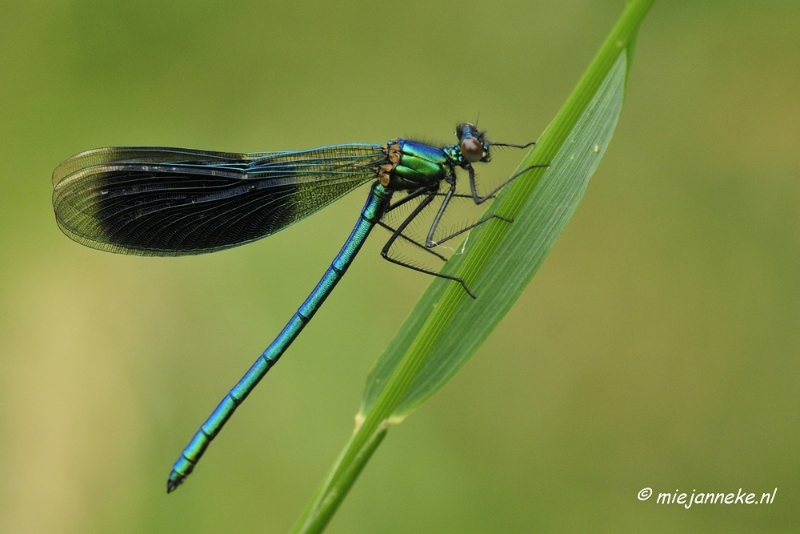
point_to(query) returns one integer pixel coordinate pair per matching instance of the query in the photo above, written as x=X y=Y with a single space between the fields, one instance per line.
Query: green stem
x=374 y=424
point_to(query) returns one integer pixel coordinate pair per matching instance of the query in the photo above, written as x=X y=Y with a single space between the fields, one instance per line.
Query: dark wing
x=155 y=201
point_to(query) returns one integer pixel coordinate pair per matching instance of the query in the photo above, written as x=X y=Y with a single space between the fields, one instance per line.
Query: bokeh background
x=657 y=347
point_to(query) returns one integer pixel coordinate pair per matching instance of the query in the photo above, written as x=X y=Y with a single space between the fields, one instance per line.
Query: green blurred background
x=657 y=347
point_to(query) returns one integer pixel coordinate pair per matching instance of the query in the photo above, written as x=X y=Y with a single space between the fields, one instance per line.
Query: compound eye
x=472 y=149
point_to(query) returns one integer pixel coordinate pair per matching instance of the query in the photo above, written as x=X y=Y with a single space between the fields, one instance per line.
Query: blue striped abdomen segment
x=376 y=204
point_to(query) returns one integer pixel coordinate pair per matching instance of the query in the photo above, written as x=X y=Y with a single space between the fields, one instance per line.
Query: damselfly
x=156 y=201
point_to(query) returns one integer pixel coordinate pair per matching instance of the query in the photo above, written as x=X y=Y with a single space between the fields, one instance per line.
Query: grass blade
x=499 y=259
x=547 y=200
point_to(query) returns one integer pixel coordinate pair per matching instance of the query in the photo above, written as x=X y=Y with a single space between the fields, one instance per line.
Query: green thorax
x=412 y=165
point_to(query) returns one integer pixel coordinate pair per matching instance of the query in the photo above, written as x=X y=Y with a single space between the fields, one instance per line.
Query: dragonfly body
x=373 y=210
x=171 y=201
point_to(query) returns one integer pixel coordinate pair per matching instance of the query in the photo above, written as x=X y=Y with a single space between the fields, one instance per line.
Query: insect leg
x=481 y=199
x=398 y=232
x=412 y=241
